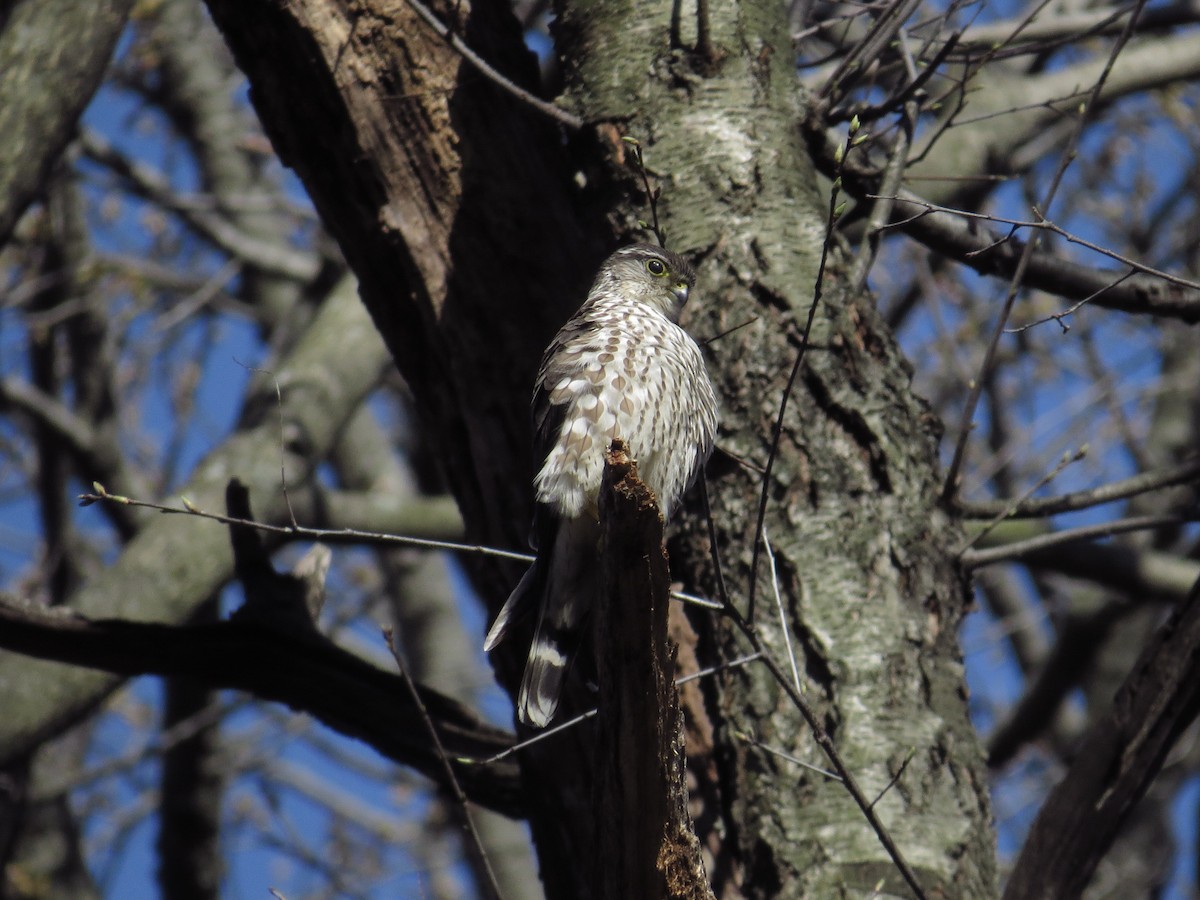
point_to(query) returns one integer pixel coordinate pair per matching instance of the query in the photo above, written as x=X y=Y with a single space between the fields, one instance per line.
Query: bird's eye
x=656 y=267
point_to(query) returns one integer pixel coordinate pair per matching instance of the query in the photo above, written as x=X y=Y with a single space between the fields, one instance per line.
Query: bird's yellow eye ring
x=656 y=267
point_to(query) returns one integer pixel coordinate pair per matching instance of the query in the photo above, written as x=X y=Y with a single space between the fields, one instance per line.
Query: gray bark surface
x=52 y=53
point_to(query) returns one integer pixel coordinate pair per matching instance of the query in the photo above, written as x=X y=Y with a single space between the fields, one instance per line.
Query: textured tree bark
x=51 y=57
x=449 y=201
x=647 y=846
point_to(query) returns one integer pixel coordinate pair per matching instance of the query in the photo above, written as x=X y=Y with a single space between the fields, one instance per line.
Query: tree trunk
x=864 y=558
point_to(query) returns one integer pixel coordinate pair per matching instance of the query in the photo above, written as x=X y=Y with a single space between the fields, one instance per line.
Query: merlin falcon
x=622 y=367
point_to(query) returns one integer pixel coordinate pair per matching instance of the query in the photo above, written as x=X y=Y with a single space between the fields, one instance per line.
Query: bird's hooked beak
x=681 y=293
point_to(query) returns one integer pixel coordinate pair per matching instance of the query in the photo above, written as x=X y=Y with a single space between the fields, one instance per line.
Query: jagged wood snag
x=647 y=847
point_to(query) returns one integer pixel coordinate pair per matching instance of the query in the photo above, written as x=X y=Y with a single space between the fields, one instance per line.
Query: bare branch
x=1057 y=27
x=265 y=255
x=315 y=405
x=872 y=45
x=1140 y=572
x=480 y=65
x=450 y=779
x=1079 y=639
x=347 y=694
x=972 y=559
x=349 y=505
x=75 y=432
x=1184 y=473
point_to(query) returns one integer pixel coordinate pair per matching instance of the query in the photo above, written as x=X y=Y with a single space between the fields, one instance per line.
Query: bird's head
x=651 y=275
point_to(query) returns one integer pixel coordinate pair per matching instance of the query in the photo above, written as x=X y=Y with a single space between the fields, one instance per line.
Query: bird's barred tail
x=562 y=585
x=541 y=687
x=547 y=665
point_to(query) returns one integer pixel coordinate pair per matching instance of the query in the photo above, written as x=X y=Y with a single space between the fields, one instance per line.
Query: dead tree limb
x=647 y=846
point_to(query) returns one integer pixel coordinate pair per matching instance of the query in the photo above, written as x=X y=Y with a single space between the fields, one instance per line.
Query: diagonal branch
x=1075 y=26
x=972 y=559
x=52 y=57
x=1113 y=566
x=1039 y=507
x=265 y=255
x=489 y=72
x=1119 y=758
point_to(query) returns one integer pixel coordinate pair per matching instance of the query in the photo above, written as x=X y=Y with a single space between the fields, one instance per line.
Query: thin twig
x=951 y=233
x=795 y=760
x=300 y=532
x=283 y=485
x=708 y=342
x=713 y=548
x=549 y=109
x=492 y=885
x=1014 y=287
x=1066 y=460
x=881 y=209
x=696 y=601
x=1059 y=317
x=537 y=738
x=719 y=667
x=651 y=193
x=571 y=723
x=895 y=778
x=304 y=533
x=783 y=622
x=872 y=45
x=777 y=431
x=1042 y=224
x=208 y=291
x=906 y=96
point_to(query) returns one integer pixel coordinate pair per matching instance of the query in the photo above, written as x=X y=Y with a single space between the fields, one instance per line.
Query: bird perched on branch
x=620 y=368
